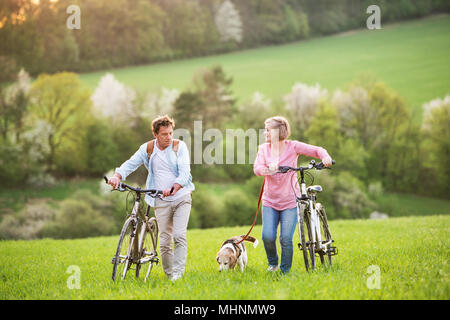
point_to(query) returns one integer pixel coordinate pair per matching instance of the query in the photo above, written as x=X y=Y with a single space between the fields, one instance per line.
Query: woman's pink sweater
x=279 y=188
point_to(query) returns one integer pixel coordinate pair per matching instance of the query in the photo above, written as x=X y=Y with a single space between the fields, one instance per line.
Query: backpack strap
x=151 y=146
x=176 y=142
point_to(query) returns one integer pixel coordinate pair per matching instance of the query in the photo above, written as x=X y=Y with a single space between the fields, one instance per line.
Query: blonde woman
x=279 y=200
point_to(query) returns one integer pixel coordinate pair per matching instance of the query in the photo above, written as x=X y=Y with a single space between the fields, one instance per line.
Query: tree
x=378 y=119
x=436 y=143
x=114 y=101
x=253 y=113
x=302 y=103
x=228 y=22
x=101 y=148
x=188 y=107
x=213 y=86
x=189 y=28
x=64 y=103
x=325 y=131
x=356 y=114
x=13 y=106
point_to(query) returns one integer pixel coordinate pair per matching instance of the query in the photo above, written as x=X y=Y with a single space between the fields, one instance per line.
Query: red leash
x=257 y=210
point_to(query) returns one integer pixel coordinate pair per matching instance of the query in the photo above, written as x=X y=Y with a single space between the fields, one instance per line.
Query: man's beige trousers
x=172 y=218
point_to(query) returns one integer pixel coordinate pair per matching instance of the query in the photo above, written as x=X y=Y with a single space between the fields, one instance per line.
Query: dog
x=231 y=253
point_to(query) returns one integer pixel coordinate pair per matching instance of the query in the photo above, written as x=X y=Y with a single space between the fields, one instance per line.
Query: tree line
x=34 y=35
x=56 y=128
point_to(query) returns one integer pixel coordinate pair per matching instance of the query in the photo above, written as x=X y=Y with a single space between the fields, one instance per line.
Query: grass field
x=411 y=254
x=411 y=57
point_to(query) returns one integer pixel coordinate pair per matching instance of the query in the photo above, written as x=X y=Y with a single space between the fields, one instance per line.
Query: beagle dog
x=231 y=253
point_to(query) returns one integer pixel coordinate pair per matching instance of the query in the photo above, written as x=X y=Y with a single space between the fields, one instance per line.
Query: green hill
x=411 y=254
x=411 y=57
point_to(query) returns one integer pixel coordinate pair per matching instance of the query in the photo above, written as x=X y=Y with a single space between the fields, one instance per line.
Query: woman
x=279 y=201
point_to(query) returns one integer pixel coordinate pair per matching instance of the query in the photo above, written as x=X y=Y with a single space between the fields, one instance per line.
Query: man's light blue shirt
x=180 y=164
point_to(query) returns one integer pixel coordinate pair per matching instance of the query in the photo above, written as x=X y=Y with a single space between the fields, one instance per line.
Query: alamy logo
x=74 y=280
x=74 y=20
x=374 y=20
x=374 y=279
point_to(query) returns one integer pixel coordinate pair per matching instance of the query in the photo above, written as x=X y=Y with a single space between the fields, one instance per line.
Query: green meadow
x=412 y=57
x=410 y=254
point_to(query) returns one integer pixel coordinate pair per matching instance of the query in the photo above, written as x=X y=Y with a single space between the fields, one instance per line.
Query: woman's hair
x=280 y=123
x=163 y=121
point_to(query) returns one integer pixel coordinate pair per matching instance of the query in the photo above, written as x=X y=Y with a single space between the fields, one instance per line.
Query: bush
x=210 y=173
x=239 y=208
x=28 y=223
x=252 y=188
x=12 y=169
x=102 y=150
x=81 y=216
x=207 y=209
x=344 y=196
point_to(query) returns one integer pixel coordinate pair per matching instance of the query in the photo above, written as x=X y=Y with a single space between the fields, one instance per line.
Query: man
x=168 y=169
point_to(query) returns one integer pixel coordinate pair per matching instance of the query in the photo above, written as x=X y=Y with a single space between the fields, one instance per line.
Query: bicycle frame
x=134 y=240
x=309 y=201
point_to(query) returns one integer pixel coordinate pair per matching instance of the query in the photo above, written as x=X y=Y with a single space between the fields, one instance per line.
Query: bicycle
x=313 y=215
x=139 y=237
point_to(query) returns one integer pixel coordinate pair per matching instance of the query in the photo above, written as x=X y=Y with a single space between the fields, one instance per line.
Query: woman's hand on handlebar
x=327 y=161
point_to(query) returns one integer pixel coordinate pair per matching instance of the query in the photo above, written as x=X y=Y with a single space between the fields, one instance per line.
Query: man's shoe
x=175 y=277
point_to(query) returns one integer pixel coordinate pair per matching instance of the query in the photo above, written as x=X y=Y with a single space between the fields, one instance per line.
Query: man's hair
x=163 y=121
x=281 y=124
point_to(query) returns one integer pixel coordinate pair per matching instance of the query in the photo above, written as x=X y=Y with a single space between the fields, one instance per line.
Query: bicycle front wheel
x=311 y=243
x=148 y=243
x=122 y=258
x=301 y=231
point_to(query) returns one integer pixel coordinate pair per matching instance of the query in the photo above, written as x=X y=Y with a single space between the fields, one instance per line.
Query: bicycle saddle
x=315 y=188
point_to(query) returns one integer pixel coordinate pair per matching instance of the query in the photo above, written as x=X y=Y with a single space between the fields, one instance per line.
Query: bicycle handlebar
x=151 y=192
x=312 y=164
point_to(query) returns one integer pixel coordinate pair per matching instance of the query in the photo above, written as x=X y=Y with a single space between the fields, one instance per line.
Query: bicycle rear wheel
x=326 y=235
x=122 y=258
x=301 y=231
x=148 y=243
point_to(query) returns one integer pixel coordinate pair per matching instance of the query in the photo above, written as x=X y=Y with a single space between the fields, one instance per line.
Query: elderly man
x=168 y=164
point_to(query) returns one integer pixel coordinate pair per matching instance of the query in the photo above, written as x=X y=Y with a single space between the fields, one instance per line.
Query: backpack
x=151 y=144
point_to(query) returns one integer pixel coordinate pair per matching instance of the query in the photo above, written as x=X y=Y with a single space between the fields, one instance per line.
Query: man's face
x=164 y=136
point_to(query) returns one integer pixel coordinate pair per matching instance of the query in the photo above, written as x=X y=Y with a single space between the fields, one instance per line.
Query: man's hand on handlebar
x=172 y=191
x=115 y=180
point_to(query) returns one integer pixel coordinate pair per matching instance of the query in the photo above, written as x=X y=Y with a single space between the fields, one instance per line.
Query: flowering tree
x=13 y=105
x=253 y=113
x=228 y=22
x=355 y=114
x=114 y=100
x=160 y=103
x=302 y=102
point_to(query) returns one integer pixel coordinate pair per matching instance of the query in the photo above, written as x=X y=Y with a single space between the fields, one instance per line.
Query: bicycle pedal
x=333 y=251
x=155 y=260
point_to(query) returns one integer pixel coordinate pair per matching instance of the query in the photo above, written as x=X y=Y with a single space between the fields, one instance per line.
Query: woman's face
x=271 y=134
